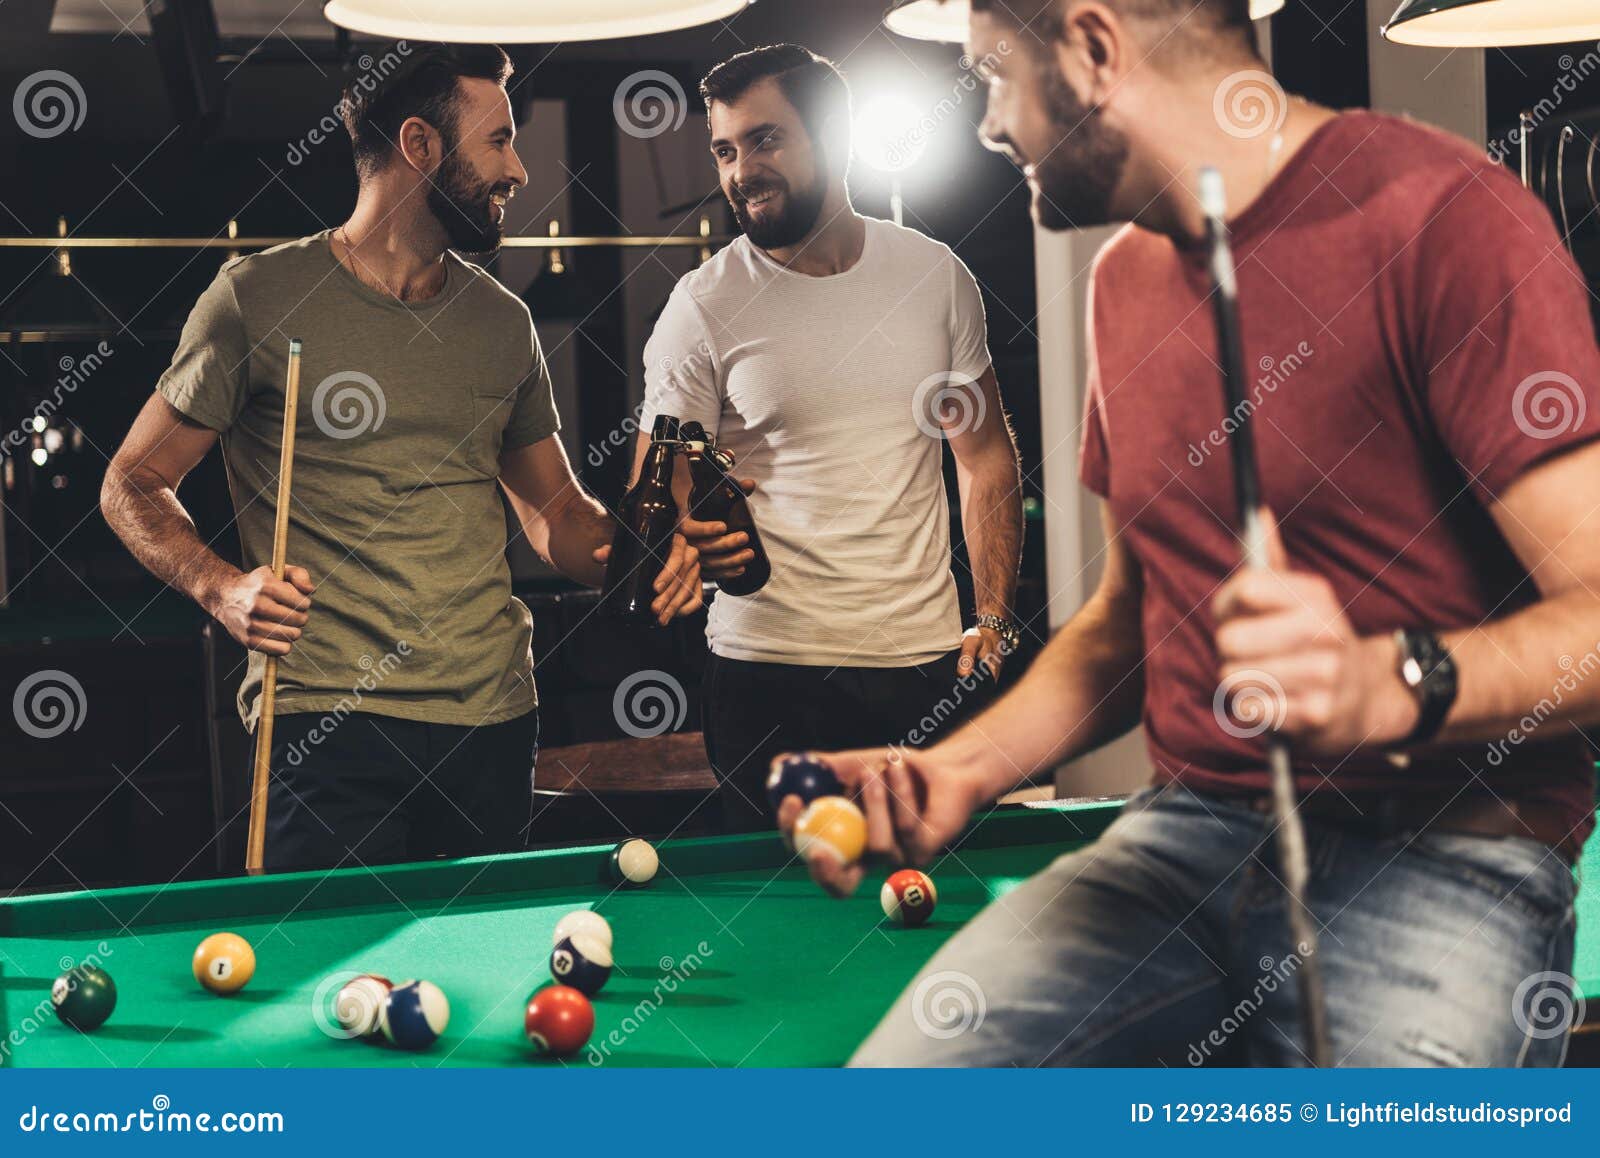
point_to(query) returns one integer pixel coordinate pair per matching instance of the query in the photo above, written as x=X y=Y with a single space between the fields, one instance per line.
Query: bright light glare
x=891 y=132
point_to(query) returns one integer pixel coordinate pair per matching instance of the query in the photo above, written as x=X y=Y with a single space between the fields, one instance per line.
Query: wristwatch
x=1430 y=673
x=1010 y=634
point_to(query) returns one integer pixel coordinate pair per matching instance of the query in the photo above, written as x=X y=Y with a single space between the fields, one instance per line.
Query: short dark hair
x=412 y=80
x=1217 y=25
x=812 y=84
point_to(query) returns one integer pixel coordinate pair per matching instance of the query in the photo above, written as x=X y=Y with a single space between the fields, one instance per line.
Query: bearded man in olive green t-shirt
x=406 y=710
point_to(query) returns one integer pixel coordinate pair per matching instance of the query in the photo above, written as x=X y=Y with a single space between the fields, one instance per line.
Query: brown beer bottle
x=717 y=497
x=646 y=520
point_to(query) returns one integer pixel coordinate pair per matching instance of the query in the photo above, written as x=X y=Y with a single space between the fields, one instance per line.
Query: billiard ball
x=581 y=961
x=583 y=921
x=414 y=1014
x=84 y=997
x=634 y=862
x=224 y=962
x=802 y=775
x=359 y=1006
x=558 y=1020
x=908 y=896
x=831 y=827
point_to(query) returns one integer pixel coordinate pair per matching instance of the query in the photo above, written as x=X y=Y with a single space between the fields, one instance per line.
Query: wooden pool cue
x=256 y=848
x=1290 y=833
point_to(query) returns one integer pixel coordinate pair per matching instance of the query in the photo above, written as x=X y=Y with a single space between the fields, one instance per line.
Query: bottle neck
x=658 y=464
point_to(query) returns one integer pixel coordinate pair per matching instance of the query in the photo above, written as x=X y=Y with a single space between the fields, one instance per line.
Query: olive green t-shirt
x=404 y=410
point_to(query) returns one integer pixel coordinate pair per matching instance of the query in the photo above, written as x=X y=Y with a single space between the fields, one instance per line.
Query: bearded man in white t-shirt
x=834 y=354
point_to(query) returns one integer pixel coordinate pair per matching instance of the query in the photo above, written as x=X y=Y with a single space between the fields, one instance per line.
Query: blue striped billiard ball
x=581 y=961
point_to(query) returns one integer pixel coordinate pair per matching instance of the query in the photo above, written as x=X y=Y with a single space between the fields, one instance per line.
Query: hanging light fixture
x=522 y=22
x=1493 y=23
x=947 y=19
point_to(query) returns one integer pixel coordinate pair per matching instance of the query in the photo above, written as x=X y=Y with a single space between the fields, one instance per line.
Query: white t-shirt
x=821 y=386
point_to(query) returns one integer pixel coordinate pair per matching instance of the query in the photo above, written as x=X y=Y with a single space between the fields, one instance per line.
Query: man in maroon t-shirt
x=1425 y=410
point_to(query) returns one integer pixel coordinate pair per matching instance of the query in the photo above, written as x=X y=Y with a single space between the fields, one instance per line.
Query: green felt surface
x=731 y=957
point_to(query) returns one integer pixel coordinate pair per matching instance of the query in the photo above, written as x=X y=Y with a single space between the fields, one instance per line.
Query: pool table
x=730 y=957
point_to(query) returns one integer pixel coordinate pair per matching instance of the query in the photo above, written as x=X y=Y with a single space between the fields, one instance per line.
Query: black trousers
x=753 y=711
x=374 y=790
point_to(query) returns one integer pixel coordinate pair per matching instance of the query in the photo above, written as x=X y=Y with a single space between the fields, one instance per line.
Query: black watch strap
x=1430 y=673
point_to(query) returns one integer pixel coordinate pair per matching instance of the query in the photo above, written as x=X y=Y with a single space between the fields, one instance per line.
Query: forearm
x=582 y=527
x=1538 y=667
x=1085 y=689
x=146 y=515
x=991 y=519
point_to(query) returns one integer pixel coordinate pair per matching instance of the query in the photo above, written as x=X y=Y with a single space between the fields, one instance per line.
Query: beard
x=460 y=203
x=1077 y=177
x=801 y=208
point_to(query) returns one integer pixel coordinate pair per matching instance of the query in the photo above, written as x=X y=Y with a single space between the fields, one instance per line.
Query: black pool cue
x=1290 y=833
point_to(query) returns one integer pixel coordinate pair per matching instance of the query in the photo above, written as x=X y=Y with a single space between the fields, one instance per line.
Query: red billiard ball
x=908 y=896
x=558 y=1020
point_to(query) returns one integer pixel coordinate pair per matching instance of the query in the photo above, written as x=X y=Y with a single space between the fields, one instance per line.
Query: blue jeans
x=1166 y=942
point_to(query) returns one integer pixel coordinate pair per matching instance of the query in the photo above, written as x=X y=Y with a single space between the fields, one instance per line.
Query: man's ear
x=420 y=145
x=1091 y=51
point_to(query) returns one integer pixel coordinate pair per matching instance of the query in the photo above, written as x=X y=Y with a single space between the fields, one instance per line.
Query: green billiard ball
x=84 y=996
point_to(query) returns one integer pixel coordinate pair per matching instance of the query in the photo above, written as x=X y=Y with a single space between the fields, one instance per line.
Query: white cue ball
x=636 y=861
x=584 y=921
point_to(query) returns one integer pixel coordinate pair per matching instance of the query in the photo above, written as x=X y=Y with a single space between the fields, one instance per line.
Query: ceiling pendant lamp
x=947 y=19
x=523 y=21
x=1493 y=23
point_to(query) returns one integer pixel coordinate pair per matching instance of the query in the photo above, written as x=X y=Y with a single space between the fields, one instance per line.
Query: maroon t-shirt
x=1419 y=338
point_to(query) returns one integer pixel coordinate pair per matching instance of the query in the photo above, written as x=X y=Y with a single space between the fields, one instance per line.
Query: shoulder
x=485 y=291
x=909 y=249
x=1128 y=254
x=304 y=259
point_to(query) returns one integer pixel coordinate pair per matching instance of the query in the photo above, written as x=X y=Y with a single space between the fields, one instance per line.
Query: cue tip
x=294 y=345
x=1213 y=196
